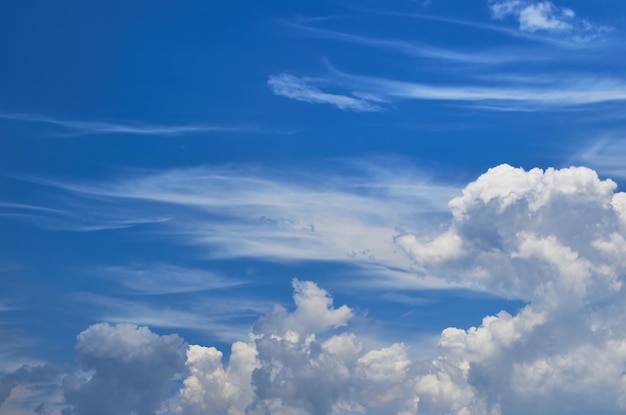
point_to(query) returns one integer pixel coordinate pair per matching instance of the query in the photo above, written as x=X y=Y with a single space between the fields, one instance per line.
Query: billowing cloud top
x=554 y=238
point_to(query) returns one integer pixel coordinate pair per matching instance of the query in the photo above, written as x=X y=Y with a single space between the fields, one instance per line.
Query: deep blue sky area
x=176 y=165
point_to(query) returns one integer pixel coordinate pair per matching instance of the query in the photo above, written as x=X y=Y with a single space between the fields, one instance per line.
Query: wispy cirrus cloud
x=90 y=127
x=606 y=155
x=569 y=92
x=520 y=94
x=64 y=218
x=160 y=278
x=224 y=318
x=411 y=48
x=304 y=89
x=271 y=214
x=581 y=35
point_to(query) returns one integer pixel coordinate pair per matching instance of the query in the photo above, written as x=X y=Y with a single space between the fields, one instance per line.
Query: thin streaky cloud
x=280 y=216
x=77 y=128
x=221 y=317
x=566 y=43
x=121 y=224
x=606 y=155
x=162 y=278
x=315 y=19
x=563 y=93
x=23 y=206
x=4 y=306
x=302 y=89
x=410 y=48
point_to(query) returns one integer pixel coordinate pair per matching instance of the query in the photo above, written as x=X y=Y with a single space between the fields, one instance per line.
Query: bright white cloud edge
x=553 y=237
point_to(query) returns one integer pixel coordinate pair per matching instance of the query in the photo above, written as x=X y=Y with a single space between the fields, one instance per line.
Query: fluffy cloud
x=210 y=388
x=544 y=16
x=287 y=368
x=129 y=369
x=554 y=238
x=535 y=16
x=529 y=234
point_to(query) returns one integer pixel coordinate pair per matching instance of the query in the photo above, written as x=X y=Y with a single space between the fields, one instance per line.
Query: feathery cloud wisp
x=75 y=127
x=243 y=212
x=516 y=94
x=302 y=89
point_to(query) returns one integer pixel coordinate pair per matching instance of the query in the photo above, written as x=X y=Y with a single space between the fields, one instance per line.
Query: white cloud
x=89 y=127
x=545 y=16
x=519 y=94
x=242 y=211
x=128 y=369
x=223 y=317
x=495 y=92
x=285 y=369
x=210 y=388
x=411 y=48
x=509 y=214
x=505 y=8
x=551 y=238
x=163 y=278
x=605 y=155
x=303 y=89
x=554 y=238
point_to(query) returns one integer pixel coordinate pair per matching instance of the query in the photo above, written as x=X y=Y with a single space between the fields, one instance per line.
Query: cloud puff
x=287 y=369
x=534 y=16
x=210 y=387
x=513 y=228
x=544 y=16
x=552 y=238
x=128 y=370
x=302 y=89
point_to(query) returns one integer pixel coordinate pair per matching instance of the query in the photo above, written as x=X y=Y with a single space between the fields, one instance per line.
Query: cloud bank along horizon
x=553 y=238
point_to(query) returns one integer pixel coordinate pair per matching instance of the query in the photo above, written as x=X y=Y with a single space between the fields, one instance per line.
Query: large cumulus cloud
x=127 y=370
x=287 y=368
x=554 y=239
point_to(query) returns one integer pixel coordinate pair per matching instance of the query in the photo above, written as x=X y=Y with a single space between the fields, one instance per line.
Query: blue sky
x=327 y=208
